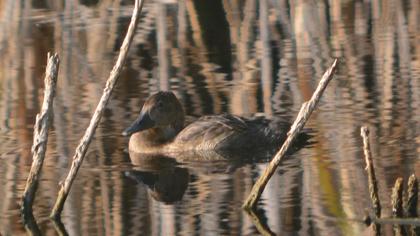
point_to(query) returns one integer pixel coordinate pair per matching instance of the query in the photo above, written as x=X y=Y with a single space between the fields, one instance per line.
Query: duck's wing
x=217 y=132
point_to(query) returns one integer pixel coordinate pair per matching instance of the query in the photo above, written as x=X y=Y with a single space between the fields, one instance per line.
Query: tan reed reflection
x=271 y=54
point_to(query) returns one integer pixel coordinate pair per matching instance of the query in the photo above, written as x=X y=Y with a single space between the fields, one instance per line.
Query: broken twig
x=303 y=116
x=87 y=137
x=397 y=205
x=373 y=187
x=42 y=125
x=411 y=205
x=412 y=198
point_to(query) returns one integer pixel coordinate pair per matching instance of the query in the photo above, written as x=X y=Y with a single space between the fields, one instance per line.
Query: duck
x=160 y=128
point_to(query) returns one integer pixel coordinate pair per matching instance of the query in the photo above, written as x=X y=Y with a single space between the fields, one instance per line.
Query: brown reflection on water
x=242 y=57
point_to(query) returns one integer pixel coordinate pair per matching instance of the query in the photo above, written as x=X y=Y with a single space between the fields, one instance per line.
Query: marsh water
x=243 y=57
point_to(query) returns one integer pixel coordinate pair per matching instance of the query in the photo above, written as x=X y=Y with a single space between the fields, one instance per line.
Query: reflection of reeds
x=378 y=84
x=262 y=228
x=266 y=68
x=244 y=90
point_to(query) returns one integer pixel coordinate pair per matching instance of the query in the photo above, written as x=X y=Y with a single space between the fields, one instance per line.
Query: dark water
x=241 y=57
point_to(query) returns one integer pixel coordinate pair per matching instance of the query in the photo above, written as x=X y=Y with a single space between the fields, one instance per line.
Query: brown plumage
x=160 y=129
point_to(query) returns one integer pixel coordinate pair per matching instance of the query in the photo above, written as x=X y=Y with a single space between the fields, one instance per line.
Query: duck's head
x=162 y=111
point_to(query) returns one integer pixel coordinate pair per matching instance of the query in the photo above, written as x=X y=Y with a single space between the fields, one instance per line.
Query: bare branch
x=42 y=124
x=87 y=137
x=373 y=187
x=303 y=116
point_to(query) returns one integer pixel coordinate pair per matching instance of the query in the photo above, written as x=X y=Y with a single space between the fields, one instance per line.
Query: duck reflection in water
x=160 y=129
x=166 y=181
x=167 y=178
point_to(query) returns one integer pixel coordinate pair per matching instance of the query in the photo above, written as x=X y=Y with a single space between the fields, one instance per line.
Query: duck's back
x=228 y=132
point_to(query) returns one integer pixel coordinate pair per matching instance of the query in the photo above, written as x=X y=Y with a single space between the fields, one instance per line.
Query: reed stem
x=87 y=137
x=397 y=205
x=303 y=116
x=42 y=125
x=373 y=186
x=411 y=204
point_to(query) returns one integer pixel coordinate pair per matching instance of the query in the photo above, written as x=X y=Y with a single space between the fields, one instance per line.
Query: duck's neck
x=154 y=139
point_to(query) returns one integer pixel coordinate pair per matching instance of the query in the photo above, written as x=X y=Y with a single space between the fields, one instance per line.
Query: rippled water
x=241 y=57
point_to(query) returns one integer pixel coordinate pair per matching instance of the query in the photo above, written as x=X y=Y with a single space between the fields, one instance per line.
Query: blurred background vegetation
x=236 y=56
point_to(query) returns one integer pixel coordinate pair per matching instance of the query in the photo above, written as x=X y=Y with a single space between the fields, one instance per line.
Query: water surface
x=242 y=57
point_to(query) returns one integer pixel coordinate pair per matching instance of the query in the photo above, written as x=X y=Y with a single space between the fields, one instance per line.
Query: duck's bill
x=143 y=122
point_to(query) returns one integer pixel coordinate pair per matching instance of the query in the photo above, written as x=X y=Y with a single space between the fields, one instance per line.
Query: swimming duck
x=160 y=129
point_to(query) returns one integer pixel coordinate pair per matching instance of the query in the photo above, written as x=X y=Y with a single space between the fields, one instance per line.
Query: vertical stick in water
x=87 y=137
x=373 y=187
x=412 y=198
x=42 y=124
x=397 y=205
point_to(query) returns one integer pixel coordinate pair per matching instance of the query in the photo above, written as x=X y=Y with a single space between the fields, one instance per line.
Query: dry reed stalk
x=303 y=116
x=397 y=202
x=411 y=204
x=87 y=137
x=397 y=205
x=42 y=124
x=412 y=198
x=373 y=187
